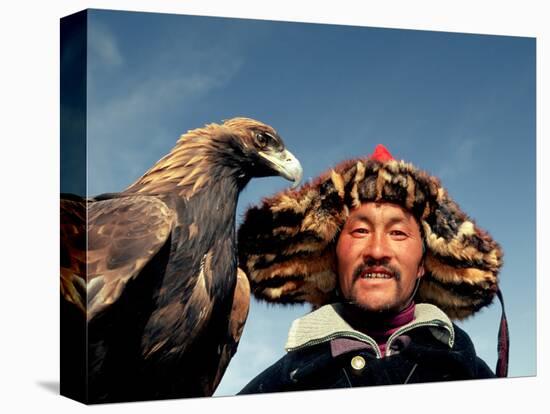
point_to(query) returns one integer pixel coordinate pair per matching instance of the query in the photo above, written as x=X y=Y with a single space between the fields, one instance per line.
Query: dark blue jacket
x=430 y=349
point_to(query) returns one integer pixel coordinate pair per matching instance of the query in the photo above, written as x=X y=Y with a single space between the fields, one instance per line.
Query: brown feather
x=123 y=234
x=237 y=320
x=73 y=252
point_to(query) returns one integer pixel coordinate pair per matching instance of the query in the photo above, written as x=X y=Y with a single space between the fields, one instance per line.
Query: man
x=386 y=258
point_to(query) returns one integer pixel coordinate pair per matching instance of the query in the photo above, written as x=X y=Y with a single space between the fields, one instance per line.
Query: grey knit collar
x=325 y=324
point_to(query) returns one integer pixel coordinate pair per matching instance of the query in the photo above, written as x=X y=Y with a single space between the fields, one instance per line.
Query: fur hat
x=287 y=244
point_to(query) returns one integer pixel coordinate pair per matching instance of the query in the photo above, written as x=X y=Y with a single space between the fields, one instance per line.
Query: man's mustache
x=379 y=265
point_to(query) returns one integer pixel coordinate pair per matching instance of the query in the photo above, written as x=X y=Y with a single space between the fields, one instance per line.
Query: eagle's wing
x=237 y=319
x=122 y=235
x=73 y=251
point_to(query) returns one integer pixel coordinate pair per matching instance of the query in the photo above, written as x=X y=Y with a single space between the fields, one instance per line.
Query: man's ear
x=420 y=272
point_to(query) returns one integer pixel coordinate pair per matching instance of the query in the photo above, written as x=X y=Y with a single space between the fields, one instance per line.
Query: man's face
x=379 y=254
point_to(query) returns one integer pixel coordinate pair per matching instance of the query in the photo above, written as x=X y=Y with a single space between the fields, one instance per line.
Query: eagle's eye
x=262 y=140
x=265 y=140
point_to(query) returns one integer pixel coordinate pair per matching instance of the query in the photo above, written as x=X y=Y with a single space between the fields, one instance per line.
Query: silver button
x=358 y=362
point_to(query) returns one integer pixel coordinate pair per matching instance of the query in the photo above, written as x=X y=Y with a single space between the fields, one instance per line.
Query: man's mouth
x=379 y=272
x=375 y=276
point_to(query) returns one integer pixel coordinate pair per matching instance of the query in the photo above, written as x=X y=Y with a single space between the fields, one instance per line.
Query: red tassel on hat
x=381 y=154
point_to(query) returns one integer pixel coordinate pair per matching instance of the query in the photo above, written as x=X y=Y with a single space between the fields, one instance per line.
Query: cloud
x=261 y=345
x=136 y=108
x=103 y=48
x=252 y=357
x=459 y=160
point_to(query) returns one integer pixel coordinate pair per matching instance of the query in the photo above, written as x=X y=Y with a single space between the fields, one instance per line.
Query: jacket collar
x=325 y=324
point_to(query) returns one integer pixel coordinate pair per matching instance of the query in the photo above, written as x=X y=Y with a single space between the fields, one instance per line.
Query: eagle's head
x=240 y=148
x=259 y=150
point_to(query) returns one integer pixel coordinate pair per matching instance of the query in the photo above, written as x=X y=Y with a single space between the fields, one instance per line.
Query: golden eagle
x=152 y=301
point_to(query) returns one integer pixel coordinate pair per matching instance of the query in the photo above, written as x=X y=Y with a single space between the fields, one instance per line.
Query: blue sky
x=460 y=106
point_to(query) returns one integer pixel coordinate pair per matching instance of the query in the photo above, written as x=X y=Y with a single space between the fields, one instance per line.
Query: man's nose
x=377 y=247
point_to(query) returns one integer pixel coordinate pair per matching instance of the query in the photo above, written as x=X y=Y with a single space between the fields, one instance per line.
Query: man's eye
x=398 y=233
x=360 y=231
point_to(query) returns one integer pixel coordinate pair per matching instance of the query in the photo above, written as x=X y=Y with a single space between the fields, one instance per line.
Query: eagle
x=152 y=301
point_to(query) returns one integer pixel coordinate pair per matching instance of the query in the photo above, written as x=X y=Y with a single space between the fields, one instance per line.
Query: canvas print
x=252 y=206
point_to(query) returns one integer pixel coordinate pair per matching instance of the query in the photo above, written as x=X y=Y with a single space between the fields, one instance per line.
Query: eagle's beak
x=286 y=164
